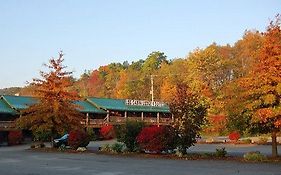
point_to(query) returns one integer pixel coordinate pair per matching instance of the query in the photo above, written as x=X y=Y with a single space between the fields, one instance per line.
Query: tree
x=262 y=85
x=81 y=85
x=54 y=113
x=245 y=52
x=238 y=117
x=189 y=112
x=154 y=61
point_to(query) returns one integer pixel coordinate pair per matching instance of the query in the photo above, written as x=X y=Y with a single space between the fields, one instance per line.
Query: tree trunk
x=52 y=141
x=274 y=144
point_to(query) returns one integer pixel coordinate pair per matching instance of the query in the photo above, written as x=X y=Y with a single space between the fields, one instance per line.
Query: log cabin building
x=97 y=112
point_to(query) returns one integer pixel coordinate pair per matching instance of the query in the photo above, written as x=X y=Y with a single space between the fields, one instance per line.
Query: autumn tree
x=262 y=86
x=189 y=112
x=54 y=113
x=154 y=61
x=245 y=52
x=238 y=117
x=81 y=85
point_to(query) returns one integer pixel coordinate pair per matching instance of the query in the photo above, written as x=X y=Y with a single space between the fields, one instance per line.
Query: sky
x=93 y=33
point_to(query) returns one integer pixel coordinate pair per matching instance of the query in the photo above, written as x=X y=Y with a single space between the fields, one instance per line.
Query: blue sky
x=94 y=33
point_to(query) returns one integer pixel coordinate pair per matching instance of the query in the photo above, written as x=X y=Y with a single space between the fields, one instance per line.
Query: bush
x=254 y=156
x=62 y=147
x=105 y=148
x=234 y=136
x=220 y=152
x=117 y=147
x=128 y=133
x=78 y=138
x=107 y=132
x=92 y=135
x=15 y=138
x=157 y=139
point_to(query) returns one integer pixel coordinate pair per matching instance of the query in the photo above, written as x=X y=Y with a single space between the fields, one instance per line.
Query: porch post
x=87 y=120
x=107 y=116
x=158 y=118
x=125 y=114
x=141 y=116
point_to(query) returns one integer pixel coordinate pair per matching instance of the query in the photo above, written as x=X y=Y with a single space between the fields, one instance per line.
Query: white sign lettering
x=144 y=103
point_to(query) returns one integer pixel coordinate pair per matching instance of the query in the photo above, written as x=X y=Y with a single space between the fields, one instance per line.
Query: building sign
x=144 y=103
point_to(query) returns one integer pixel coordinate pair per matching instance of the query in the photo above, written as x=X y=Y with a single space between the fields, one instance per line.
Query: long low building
x=97 y=111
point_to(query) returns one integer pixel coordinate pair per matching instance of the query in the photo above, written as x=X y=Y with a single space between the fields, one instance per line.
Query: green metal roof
x=5 y=108
x=87 y=107
x=9 y=104
x=19 y=102
x=120 y=105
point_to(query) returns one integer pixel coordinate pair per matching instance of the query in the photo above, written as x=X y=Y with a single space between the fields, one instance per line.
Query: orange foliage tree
x=262 y=86
x=190 y=113
x=54 y=113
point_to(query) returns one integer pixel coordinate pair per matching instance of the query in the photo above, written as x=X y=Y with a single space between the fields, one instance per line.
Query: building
x=97 y=111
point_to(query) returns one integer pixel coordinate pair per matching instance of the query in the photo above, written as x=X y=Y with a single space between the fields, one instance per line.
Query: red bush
x=157 y=139
x=15 y=137
x=78 y=138
x=107 y=132
x=234 y=136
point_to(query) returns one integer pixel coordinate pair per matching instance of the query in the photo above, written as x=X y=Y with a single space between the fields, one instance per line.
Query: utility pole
x=151 y=90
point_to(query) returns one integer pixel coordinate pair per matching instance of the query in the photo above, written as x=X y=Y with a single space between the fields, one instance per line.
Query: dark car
x=61 y=141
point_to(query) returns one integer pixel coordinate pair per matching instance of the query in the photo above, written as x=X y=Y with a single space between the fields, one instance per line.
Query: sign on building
x=144 y=103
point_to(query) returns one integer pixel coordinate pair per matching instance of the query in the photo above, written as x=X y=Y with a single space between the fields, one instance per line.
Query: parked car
x=61 y=141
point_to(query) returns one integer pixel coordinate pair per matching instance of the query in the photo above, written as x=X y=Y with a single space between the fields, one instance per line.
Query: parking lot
x=19 y=161
x=232 y=149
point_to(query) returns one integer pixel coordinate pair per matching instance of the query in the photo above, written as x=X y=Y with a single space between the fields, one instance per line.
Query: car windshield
x=65 y=136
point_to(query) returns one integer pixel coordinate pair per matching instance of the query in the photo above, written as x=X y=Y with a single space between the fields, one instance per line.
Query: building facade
x=97 y=111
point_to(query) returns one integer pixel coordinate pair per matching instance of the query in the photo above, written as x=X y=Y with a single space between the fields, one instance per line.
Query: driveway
x=18 y=161
x=232 y=149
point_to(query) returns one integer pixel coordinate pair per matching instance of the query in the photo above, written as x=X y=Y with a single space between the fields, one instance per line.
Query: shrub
x=107 y=132
x=157 y=139
x=105 y=148
x=128 y=133
x=254 y=156
x=234 y=136
x=220 y=152
x=117 y=147
x=62 y=147
x=92 y=135
x=15 y=138
x=78 y=138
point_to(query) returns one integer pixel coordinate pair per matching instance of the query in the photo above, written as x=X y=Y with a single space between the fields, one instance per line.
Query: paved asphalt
x=232 y=149
x=19 y=161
